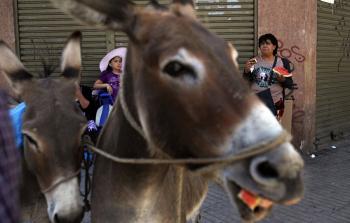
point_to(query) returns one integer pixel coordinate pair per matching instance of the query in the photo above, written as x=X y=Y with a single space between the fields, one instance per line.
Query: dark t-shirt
x=112 y=79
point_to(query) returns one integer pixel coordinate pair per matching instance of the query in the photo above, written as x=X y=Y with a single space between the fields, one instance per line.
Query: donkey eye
x=31 y=142
x=176 y=69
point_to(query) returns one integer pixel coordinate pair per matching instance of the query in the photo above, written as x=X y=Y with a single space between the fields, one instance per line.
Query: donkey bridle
x=65 y=179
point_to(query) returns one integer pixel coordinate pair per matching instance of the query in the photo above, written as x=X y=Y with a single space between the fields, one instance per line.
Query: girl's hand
x=109 y=89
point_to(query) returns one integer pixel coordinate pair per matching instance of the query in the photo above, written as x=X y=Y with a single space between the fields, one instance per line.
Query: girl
x=111 y=67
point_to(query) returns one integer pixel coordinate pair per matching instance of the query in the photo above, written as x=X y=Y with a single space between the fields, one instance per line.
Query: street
x=327 y=194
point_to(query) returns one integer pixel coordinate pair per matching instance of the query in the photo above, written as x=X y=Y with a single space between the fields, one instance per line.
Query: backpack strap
x=273 y=66
x=287 y=64
x=288 y=83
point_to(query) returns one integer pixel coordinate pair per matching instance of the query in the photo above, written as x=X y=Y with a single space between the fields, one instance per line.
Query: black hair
x=109 y=68
x=272 y=38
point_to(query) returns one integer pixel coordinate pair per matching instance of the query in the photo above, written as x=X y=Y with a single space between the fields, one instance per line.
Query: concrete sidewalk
x=327 y=193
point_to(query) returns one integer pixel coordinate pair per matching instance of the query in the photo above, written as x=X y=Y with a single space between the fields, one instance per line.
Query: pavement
x=326 y=199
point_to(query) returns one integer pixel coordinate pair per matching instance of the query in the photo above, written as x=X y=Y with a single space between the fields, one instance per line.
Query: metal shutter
x=233 y=20
x=43 y=30
x=333 y=71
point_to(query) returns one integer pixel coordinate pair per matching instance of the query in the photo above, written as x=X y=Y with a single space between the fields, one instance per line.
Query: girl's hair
x=272 y=38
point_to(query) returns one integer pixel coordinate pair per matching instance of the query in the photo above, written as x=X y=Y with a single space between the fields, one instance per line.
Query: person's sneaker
x=91 y=126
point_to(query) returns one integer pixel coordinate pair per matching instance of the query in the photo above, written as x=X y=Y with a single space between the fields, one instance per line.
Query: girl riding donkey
x=111 y=66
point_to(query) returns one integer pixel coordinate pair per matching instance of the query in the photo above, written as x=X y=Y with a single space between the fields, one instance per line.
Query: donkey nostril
x=74 y=217
x=263 y=171
x=56 y=220
x=266 y=170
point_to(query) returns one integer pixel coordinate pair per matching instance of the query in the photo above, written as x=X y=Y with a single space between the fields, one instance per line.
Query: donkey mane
x=48 y=69
x=46 y=59
x=155 y=4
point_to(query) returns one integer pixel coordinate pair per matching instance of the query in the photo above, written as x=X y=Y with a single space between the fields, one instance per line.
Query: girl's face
x=267 y=48
x=116 y=64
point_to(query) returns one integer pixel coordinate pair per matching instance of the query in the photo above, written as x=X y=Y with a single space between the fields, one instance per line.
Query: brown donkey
x=182 y=97
x=52 y=126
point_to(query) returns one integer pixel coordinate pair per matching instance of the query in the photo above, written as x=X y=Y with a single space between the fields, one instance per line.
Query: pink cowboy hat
x=120 y=52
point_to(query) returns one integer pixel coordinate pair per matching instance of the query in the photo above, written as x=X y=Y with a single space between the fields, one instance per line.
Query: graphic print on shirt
x=114 y=82
x=264 y=77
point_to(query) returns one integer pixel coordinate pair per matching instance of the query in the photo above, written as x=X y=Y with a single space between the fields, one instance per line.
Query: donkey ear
x=183 y=7
x=15 y=72
x=109 y=14
x=71 y=57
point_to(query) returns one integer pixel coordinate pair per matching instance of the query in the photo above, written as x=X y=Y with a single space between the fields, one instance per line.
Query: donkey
x=182 y=97
x=52 y=127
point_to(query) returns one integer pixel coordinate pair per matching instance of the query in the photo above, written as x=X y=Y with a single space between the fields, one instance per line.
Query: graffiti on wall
x=345 y=43
x=292 y=53
x=295 y=55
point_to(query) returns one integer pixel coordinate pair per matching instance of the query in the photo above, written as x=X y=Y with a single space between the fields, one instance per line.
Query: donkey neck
x=119 y=138
x=137 y=193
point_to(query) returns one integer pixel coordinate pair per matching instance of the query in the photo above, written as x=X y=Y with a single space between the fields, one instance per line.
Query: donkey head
x=52 y=127
x=183 y=87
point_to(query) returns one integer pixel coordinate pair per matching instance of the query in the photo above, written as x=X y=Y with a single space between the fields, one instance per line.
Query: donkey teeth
x=253 y=201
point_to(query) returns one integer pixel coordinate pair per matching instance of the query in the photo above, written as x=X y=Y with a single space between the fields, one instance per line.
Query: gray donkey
x=52 y=127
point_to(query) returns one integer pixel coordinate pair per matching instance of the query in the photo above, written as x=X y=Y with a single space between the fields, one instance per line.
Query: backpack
x=106 y=107
x=288 y=83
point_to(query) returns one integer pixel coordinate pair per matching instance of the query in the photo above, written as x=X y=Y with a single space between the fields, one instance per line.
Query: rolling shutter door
x=333 y=72
x=233 y=20
x=42 y=32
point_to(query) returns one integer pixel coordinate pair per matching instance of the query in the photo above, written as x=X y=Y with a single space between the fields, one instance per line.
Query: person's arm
x=100 y=85
x=84 y=103
x=247 y=69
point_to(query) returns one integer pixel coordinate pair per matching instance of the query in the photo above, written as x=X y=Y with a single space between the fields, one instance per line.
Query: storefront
x=42 y=31
x=333 y=72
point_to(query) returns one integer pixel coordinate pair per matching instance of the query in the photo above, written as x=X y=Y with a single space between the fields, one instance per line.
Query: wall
x=294 y=22
x=7 y=29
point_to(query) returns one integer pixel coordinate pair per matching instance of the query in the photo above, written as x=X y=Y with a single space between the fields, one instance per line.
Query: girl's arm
x=100 y=85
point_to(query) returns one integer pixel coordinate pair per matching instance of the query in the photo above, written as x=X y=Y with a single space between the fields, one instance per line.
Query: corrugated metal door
x=333 y=71
x=233 y=20
x=42 y=32
x=43 y=29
